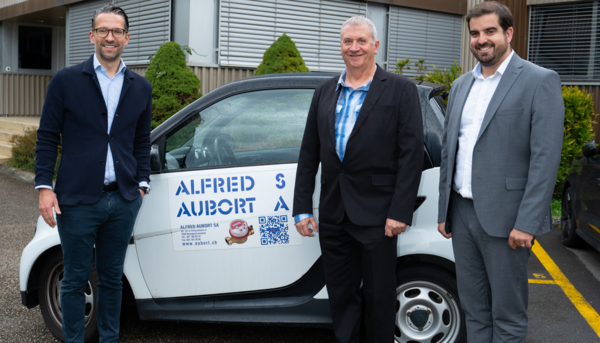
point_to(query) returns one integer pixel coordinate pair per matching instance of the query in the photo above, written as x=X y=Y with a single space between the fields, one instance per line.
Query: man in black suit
x=102 y=111
x=366 y=130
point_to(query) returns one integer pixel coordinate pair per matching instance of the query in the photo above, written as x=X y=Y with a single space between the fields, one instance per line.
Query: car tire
x=49 y=294
x=428 y=307
x=568 y=222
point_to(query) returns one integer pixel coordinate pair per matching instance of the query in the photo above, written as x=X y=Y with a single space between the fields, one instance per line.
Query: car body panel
x=584 y=182
x=47 y=238
x=204 y=270
x=244 y=282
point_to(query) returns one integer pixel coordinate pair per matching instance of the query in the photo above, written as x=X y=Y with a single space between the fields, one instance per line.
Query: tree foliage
x=282 y=57
x=579 y=129
x=175 y=85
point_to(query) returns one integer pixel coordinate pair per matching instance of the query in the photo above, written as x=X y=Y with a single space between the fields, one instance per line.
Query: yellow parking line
x=595 y=228
x=586 y=310
x=546 y=282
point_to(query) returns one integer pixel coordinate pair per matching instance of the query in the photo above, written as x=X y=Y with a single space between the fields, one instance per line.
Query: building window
x=565 y=38
x=417 y=34
x=248 y=28
x=35 y=47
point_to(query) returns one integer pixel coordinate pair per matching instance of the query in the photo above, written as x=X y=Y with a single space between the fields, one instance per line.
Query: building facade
x=229 y=37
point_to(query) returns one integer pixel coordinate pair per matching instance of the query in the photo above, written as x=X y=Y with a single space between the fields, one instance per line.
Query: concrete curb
x=18 y=174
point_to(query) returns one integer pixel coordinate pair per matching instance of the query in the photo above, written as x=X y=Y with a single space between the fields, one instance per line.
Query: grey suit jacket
x=517 y=153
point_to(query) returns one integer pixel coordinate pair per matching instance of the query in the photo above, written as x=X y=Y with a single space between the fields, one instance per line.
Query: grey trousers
x=492 y=279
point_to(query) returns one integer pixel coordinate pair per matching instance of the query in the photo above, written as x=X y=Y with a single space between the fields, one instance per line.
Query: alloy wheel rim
x=54 y=283
x=426 y=312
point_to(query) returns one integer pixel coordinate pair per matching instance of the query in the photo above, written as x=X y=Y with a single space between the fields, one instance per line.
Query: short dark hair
x=492 y=7
x=110 y=8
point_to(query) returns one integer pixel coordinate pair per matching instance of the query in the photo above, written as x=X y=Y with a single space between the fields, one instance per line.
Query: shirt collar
x=342 y=82
x=101 y=67
x=501 y=69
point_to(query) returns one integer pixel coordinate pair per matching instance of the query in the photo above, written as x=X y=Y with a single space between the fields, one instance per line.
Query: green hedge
x=579 y=129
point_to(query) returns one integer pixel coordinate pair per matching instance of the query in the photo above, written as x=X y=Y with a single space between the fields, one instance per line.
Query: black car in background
x=580 y=217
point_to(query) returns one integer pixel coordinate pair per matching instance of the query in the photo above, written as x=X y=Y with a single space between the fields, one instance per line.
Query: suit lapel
x=88 y=68
x=514 y=68
x=127 y=80
x=456 y=116
x=330 y=110
x=375 y=90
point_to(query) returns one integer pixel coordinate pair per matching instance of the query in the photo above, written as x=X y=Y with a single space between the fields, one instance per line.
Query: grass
x=555 y=205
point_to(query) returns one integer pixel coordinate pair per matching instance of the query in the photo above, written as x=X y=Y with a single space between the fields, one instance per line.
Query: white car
x=215 y=239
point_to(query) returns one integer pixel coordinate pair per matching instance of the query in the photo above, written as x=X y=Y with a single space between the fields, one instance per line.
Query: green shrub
x=23 y=152
x=579 y=129
x=282 y=57
x=175 y=85
x=441 y=77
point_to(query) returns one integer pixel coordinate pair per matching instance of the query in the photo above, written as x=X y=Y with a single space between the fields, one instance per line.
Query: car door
x=589 y=196
x=219 y=217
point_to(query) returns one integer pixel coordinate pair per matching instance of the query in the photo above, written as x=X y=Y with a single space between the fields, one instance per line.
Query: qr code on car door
x=274 y=230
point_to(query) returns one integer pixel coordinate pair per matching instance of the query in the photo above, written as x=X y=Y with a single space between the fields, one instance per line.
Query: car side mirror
x=589 y=149
x=154 y=159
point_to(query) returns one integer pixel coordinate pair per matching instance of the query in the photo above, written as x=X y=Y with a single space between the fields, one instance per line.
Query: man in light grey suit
x=500 y=157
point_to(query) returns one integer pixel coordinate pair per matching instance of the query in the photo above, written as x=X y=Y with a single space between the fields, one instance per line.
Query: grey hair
x=360 y=21
x=110 y=8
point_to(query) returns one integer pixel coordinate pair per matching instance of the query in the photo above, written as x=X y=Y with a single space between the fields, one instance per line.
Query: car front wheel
x=428 y=308
x=49 y=287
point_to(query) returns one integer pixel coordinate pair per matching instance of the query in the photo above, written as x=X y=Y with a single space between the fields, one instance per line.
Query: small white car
x=215 y=238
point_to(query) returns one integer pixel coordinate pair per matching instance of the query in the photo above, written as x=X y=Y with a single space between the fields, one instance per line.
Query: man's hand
x=47 y=202
x=519 y=239
x=442 y=230
x=304 y=230
x=394 y=227
x=142 y=193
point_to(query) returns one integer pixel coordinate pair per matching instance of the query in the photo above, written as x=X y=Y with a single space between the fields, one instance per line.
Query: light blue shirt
x=347 y=109
x=111 y=92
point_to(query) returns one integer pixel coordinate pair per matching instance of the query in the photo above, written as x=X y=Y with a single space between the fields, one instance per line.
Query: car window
x=250 y=128
x=437 y=103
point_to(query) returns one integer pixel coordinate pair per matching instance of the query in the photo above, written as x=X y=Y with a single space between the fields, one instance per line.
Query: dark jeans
x=107 y=224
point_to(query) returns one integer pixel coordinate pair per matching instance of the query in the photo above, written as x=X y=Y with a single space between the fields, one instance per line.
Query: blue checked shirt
x=346 y=112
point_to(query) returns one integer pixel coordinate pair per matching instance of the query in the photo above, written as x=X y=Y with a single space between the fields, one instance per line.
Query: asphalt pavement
x=555 y=315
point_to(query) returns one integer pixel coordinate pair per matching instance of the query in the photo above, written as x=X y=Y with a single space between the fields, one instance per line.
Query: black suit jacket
x=75 y=108
x=381 y=171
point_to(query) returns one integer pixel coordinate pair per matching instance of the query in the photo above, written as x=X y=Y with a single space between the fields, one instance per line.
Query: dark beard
x=107 y=58
x=499 y=52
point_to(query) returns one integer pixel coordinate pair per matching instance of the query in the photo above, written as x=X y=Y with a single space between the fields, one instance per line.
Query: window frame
x=161 y=140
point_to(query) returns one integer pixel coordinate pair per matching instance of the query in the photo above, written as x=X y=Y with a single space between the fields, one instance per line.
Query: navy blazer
x=75 y=109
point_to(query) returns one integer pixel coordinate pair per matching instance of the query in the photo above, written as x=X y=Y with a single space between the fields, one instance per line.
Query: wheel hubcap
x=426 y=313
x=55 y=278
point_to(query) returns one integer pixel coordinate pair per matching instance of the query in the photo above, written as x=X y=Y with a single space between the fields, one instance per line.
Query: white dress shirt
x=472 y=117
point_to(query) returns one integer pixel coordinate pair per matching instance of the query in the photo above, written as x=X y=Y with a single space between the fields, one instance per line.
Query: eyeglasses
x=117 y=33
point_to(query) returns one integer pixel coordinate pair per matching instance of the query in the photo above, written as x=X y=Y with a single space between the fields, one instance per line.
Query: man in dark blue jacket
x=102 y=111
